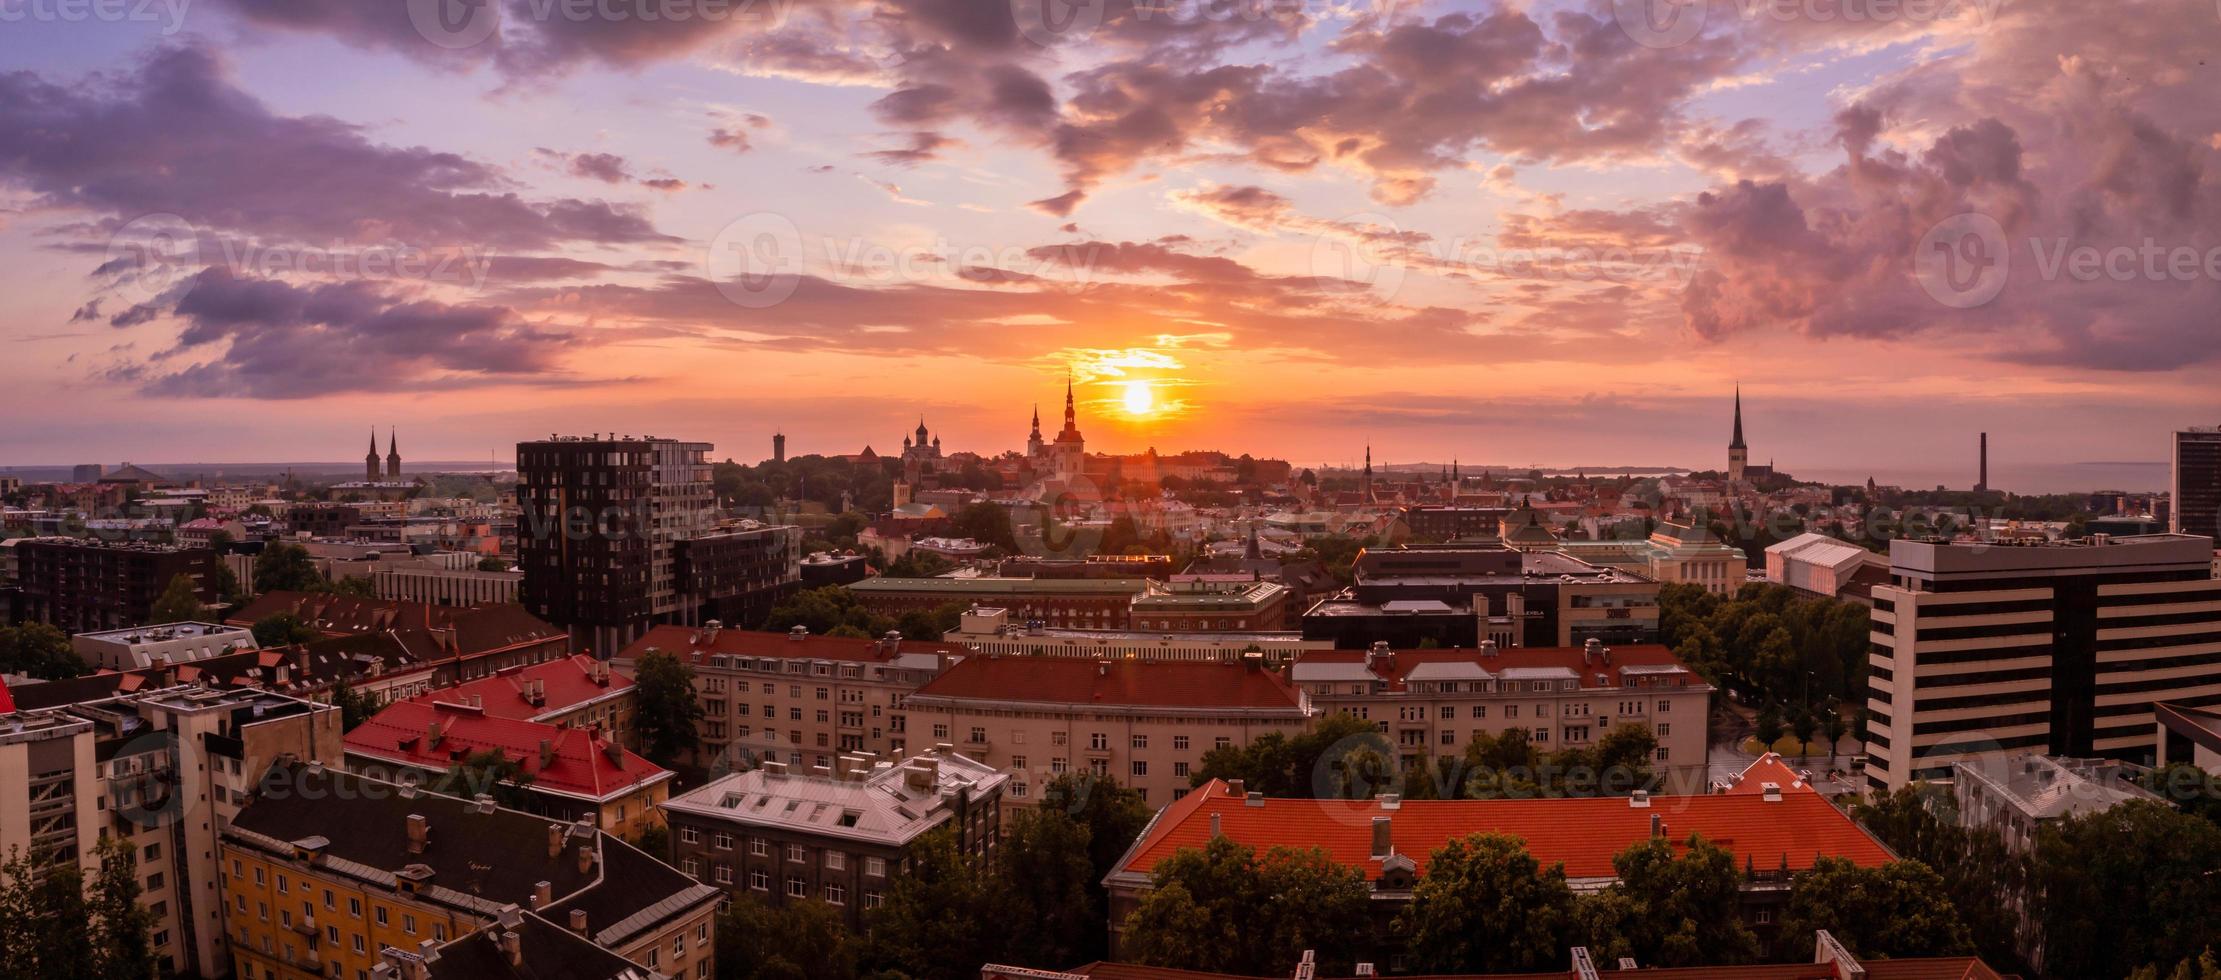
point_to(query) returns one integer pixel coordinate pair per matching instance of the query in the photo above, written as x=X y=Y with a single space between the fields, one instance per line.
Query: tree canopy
x=666 y=713
x=1485 y=905
x=1226 y=908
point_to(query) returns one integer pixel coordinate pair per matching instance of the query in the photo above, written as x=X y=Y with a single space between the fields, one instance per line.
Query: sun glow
x=1140 y=398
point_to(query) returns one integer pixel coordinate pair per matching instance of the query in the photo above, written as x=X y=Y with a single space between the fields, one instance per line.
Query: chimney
x=585 y=858
x=578 y=921
x=543 y=893
x=547 y=753
x=555 y=841
x=432 y=735
x=1236 y=787
x=420 y=833
x=1770 y=792
x=1381 y=845
x=1657 y=826
x=482 y=803
x=1254 y=798
x=1217 y=831
x=1640 y=799
x=512 y=946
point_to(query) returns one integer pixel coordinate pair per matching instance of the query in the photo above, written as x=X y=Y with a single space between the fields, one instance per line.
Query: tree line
x=63 y=927
x=1347 y=757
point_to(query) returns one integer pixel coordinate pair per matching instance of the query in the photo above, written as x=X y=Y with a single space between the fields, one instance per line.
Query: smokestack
x=420 y=833
x=1984 y=486
x=1380 y=837
x=513 y=947
x=555 y=841
x=578 y=921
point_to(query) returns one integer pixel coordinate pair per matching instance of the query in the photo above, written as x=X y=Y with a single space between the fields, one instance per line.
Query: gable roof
x=467 y=630
x=562 y=685
x=577 y=763
x=1581 y=833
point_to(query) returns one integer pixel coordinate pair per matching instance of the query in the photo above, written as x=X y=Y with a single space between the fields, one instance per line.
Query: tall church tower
x=1035 y=445
x=1737 y=454
x=1365 y=479
x=1071 y=448
x=393 y=454
x=370 y=462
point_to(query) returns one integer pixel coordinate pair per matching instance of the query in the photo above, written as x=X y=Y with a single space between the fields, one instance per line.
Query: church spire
x=1737 y=442
x=1071 y=417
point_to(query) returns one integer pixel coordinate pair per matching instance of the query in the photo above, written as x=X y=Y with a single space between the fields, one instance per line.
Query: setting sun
x=1140 y=399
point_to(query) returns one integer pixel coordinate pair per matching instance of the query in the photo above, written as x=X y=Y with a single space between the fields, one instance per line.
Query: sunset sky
x=1518 y=232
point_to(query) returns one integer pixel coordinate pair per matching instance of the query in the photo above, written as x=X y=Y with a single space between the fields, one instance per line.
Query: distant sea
x=2017 y=478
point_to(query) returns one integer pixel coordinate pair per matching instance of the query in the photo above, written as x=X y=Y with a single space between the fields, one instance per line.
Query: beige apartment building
x=164 y=770
x=795 y=698
x=1146 y=724
x=1433 y=703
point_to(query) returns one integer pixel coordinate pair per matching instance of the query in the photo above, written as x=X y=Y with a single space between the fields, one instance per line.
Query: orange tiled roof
x=1583 y=834
x=570 y=682
x=581 y=763
x=1768 y=768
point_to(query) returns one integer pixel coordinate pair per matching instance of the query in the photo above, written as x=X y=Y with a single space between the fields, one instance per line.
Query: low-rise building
x=446 y=586
x=2014 y=796
x=1688 y=553
x=1433 y=703
x=326 y=870
x=989 y=629
x=1201 y=605
x=1457 y=595
x=1145 y=724
x=571 y=773
x=794 y=697
x=139 y=647
x=1773 y=835
x=841 y=837
x=480 y=640
x=1084 y=603
x=1820 y=565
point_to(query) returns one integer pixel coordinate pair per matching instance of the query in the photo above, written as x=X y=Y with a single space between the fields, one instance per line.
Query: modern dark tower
x=2197 y=482
x=1982 y=484
x=370 y=462
x=778 y=447
x=1738 y=455
x=393 y=454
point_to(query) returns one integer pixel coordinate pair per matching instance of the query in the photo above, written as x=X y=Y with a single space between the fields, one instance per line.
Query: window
x=759 y=847
x=723 y=841
x=759 y=881
x=1098 y=741
x=1018 y=763
x=1141 y=768
x=1661 y=753
x=796 y=888
x=689 y=835
x=379 y=913
x=408 y=924
x=1664 y=706
x=354 y=907
x=1221 y=742
x=1664 y=729
x=836 y=860
x=1480 y=711
x=978 y=734
x=724 y=875
x=1511 y=711
x=794 y=853
x=940 y=730
x=875 y=867
x=1449 y=737
x=873 y=899
x=836 y=894
x=1180 y=743
x=1058 y=738
x=1141 y=741
x=691 y=867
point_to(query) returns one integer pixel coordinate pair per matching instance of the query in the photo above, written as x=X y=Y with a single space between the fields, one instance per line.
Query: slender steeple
x=1071 y=416
x=1365 y=480
x=1737 y=442
x=393 y=454
x=370 y=462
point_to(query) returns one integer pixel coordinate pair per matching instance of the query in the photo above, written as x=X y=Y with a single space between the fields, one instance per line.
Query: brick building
x=84 y=585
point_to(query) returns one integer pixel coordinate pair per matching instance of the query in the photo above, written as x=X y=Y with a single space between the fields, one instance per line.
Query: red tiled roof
x=694 y=644
x=570 y=683
x=1070 y=680
x=1398 y=665
x=1938 y=968
x=471 y=630
x=1768 y=768
x=581 y=764
x=1583 y=833
x=7 y=701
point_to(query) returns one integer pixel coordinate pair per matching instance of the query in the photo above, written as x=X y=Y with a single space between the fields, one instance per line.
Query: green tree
x=1671 y=911
x=44 y=906
x=285 y=568
x=1339 y=757
x=358 y=586
x=1047 y=876
x=225 y=582
x=1893 y=911
x=987 y=523
x=1113 y=815
x=355 y=707
x=797 y=940
x=1768 y=729
x=1921 y=823
x=2193 y=789
x=123 y=929
x=942 y=918
x=2134 y=883
x=655 y=841
x=665 y=711
x=180 y=602
x=826 y=609
x=1803 y=725
x=1228 y=909
x=281 y=629
x=493 y=563
x=39 y=650
x=2205 y=967
x=1485 y=905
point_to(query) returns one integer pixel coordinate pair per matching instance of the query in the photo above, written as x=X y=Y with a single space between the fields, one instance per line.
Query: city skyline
x=972 y=207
